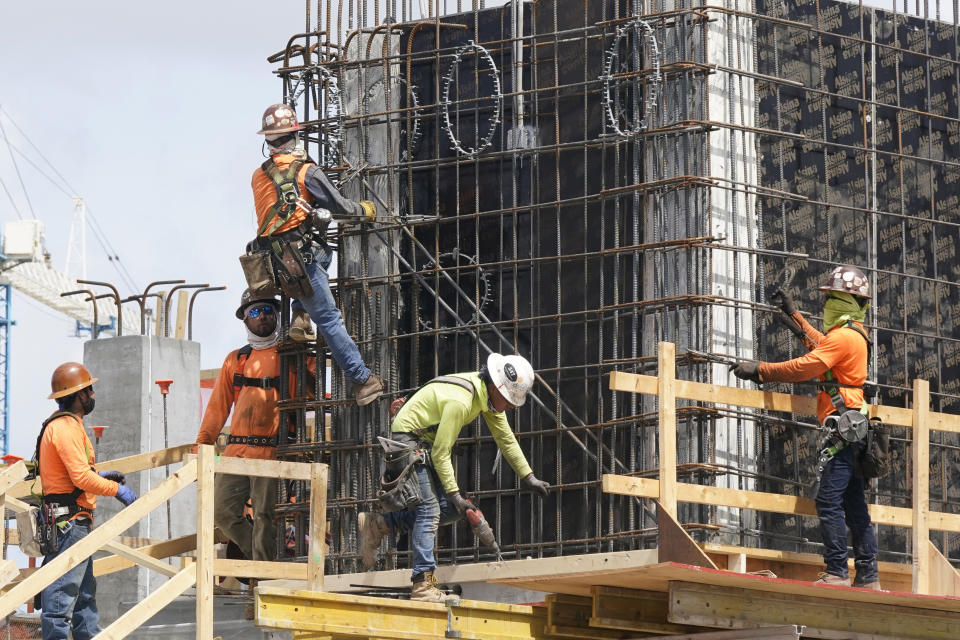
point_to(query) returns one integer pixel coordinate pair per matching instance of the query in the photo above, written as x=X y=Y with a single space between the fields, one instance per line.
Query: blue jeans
x=324 y=312
x=840 y=502
x=70 y=602
x=422 y=521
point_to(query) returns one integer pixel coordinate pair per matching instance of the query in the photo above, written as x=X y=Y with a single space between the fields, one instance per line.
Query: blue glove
x=116 y=476
x=126 y=495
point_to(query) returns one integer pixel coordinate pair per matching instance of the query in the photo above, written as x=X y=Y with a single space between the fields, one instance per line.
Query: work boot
x=829 y=578
x=301 y=328
x=875 y=585
x=369 y=390
x=372 y=528
x=425 y=590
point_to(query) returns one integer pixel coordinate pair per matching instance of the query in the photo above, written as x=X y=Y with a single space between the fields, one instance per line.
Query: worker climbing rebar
x=295 y=203
x=429 y=424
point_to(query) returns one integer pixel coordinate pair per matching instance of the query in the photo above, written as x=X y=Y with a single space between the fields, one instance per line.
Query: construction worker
x=433 y=417
x=65 y=459
x=839 y=358
x=248 y=383
x=285 y=190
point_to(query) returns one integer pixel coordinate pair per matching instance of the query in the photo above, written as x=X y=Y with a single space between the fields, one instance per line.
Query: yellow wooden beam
x=667 y=426
x=634 y=610
x=733 y=608
x=569 y=617
x=349 y=616
x=921 y=485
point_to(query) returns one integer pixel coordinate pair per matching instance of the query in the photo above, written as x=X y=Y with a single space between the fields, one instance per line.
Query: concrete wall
x=131 y=405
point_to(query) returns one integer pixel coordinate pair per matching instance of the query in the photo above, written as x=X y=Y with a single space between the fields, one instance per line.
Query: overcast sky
x=150 y=111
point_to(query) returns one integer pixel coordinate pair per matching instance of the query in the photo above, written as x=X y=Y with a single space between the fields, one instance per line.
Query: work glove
x=536 y=485
x=116 y=476
x=785 y=301
x=461 y=504
x=746 y=371
x=126 y=495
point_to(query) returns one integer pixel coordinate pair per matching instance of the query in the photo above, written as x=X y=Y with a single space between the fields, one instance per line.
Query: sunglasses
x=255 y=312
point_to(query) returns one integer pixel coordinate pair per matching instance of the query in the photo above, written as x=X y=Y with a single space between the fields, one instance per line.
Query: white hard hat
x=512 y=376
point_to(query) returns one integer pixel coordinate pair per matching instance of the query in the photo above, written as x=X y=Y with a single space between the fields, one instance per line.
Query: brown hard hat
x=279 y=118
x=68 y=378
x=847 y=279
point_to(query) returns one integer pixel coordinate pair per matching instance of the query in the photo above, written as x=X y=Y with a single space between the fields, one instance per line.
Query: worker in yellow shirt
x=434 y=417
x=65 y=461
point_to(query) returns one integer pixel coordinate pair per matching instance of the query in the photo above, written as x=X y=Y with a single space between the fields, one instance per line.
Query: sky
x=150 y=112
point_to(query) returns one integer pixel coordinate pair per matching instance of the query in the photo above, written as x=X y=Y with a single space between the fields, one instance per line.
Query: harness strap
x=63 y=498
x=288 y=193
x=240 y=380
x=455 y=380
x=832 y=389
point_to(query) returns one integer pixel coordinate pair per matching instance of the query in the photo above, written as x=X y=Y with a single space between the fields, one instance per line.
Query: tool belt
x=240 y=380
x=399 y=483
x=253 y=441
x=279 y=262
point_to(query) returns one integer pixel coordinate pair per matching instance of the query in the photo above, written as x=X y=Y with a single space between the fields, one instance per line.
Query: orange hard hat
x=68 y=378
x=279 y=118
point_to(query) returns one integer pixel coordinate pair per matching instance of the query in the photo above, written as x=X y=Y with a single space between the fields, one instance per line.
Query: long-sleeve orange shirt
x=843 y=350
x=265 y=193
x=255 y=411
x=66 y=458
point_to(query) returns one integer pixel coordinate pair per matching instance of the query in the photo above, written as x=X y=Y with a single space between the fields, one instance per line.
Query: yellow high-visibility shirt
x=437 y=413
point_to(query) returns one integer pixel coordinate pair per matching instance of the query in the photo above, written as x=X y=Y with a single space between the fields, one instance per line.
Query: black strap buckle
x=253 y=441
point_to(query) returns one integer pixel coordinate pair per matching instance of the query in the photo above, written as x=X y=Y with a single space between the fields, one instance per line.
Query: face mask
x=88 y=405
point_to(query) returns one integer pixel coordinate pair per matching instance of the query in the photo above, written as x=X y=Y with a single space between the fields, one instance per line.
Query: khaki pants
x=258 y=542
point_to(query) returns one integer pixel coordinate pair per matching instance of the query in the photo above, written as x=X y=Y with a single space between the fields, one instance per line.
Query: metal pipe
x=91 y=296
x=116 y=299
x=166 y=304
x=142 y=299
x=190 y=311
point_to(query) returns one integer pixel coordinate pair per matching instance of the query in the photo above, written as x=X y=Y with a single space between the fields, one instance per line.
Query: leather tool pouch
x=258 y=270
x=290 y=270
x=37 y=538
x=399 y=484
x=875 y=459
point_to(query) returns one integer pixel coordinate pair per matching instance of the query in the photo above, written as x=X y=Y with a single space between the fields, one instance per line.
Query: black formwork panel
x=877 y=169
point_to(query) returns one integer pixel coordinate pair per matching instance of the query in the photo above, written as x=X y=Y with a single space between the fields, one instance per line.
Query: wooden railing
x=199 y=469
x=932 y=573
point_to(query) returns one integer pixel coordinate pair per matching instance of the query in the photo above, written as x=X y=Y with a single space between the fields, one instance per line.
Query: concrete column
x=131 y=405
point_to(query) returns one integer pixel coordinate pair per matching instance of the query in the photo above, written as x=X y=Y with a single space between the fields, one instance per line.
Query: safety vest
x=288 y=194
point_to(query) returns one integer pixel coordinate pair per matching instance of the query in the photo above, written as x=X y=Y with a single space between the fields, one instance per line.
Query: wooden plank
x=8 y=571
x=787 y=632
x=921 y=486
x=165 y=549
x=263 y=468
x=675 y=544
x=737 y=562
x=944 y=579
x=149 y=606
x=633 y=610
x=260 y=570
x=181 y=328
x=128 y=464
x=140 y=558
x=667 y=425
x=205 y=552
x=12 y=476
x=569 y=617
x=773 y=502
x=318 y=524
x=731 y=608
x=89 y=545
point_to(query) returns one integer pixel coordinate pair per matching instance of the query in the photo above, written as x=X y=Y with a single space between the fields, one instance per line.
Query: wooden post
x=205 y=552
x=182 y=302
x=921 y=485
x=318 y=523
x=667 y=425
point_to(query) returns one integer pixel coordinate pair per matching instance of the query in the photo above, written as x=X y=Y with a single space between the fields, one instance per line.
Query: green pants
x=259 y=541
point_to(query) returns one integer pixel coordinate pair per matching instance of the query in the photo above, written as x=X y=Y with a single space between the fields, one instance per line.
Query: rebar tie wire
x=497 y=98
x=611 y=100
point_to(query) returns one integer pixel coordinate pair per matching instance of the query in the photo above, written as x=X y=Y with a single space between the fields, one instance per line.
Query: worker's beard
x=264 y=342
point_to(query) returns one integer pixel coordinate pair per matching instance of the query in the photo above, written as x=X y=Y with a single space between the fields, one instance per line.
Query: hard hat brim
x=77 y=387
x=284 y=130
x=495 y=362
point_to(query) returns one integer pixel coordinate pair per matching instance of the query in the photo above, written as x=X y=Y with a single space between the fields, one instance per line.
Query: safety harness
x=454 y=380
x=62 y=506
x=240 y=381
x=846 y=426
x=288 y=194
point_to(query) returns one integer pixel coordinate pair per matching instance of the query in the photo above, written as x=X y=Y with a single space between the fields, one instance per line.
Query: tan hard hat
x=68 y=378
x=278 y=118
